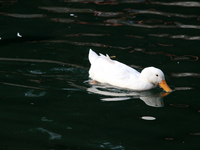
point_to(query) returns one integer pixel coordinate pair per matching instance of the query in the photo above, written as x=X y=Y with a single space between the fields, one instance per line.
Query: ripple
x=186 y=26
x=110 y=22
x=63 y=69
x=30 y=94
x=181 y=36
x=52 y=134
x=23 y=86
x=107 y=14
x=103 y=2
x=24 y=15
x=87 y=34
x=8 y=2
x=135 y=24
x=64 y=20
x=39 y=61
x=86 y=44
x=36 y=72
x=179 y=105
x=106 y=145
x=185 y=37
x=154 y=12
x=182 y=4
x=70 y=89
x=183 y=88
x=197 y=133
x=45 y=119
x=175 y=57
x=185 y=74
x=67 y=10
x=135 y=36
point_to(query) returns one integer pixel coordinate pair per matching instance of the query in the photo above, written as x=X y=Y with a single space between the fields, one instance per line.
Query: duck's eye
x=157 y=75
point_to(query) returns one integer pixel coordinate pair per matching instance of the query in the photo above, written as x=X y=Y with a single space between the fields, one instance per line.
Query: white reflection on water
x=115 y=94
x=115 y=99
x=52 y=134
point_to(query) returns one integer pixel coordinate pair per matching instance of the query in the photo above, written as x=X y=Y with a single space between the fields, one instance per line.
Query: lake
x=47 y=101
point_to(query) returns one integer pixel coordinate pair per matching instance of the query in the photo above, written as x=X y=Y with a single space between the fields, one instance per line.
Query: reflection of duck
x=105 y=70
x=150 y=98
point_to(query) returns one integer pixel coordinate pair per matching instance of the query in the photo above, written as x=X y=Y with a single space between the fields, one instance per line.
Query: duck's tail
x=92 y=56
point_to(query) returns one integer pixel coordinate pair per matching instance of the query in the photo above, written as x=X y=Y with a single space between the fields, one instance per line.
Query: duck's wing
x=105 y=70
x=123 y=73
x=127 y=68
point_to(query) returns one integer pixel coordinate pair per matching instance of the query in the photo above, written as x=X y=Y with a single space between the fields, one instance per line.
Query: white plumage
x=105 y=70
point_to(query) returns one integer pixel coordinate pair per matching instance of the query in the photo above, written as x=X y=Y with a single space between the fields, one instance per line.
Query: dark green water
x=45 y=101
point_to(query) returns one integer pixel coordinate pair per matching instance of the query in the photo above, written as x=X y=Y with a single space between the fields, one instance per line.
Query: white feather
x=105 y=70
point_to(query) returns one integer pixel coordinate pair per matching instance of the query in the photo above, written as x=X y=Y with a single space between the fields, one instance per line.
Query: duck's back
x=105 y=70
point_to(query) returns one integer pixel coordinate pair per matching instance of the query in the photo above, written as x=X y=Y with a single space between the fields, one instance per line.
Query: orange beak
x=164 y=85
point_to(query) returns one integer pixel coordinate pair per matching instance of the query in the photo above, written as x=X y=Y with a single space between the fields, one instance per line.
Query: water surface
x=46 y=101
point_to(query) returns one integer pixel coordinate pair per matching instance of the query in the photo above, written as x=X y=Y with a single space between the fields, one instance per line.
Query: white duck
x=105 y=70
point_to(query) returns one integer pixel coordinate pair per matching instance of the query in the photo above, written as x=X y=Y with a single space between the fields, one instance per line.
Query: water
x=46 y=101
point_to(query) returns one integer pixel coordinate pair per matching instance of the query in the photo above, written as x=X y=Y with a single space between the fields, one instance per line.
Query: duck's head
x=154 y=76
